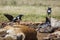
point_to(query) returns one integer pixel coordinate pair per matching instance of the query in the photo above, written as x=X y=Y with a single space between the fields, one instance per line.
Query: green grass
x=26 y=17
x=31 y=13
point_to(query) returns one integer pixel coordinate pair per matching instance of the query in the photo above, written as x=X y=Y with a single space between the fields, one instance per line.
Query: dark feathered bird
x=45 y=24
x=49 y=11
x=13 y=19
x=18 y=18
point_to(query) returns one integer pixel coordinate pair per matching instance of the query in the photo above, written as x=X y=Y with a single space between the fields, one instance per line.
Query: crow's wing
x=19 y=16
x=9 y=17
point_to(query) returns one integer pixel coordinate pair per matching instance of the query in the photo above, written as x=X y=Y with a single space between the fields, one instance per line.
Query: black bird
x=49 y=11
x=18 y=18
x=13 y=19
x=46 y=24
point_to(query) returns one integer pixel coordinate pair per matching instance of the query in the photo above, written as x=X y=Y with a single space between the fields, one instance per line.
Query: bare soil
x=41 y=35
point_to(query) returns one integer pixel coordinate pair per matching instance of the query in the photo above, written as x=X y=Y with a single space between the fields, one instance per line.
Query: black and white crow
x=18 y=18
x=49 y=11
x=45 y=24
x=13 y=19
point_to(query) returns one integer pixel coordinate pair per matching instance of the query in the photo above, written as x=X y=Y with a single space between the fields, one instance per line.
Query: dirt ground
x=41 y=35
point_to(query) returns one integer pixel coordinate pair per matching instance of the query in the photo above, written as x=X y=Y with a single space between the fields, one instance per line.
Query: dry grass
x=29 y=12
x=31 y=2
